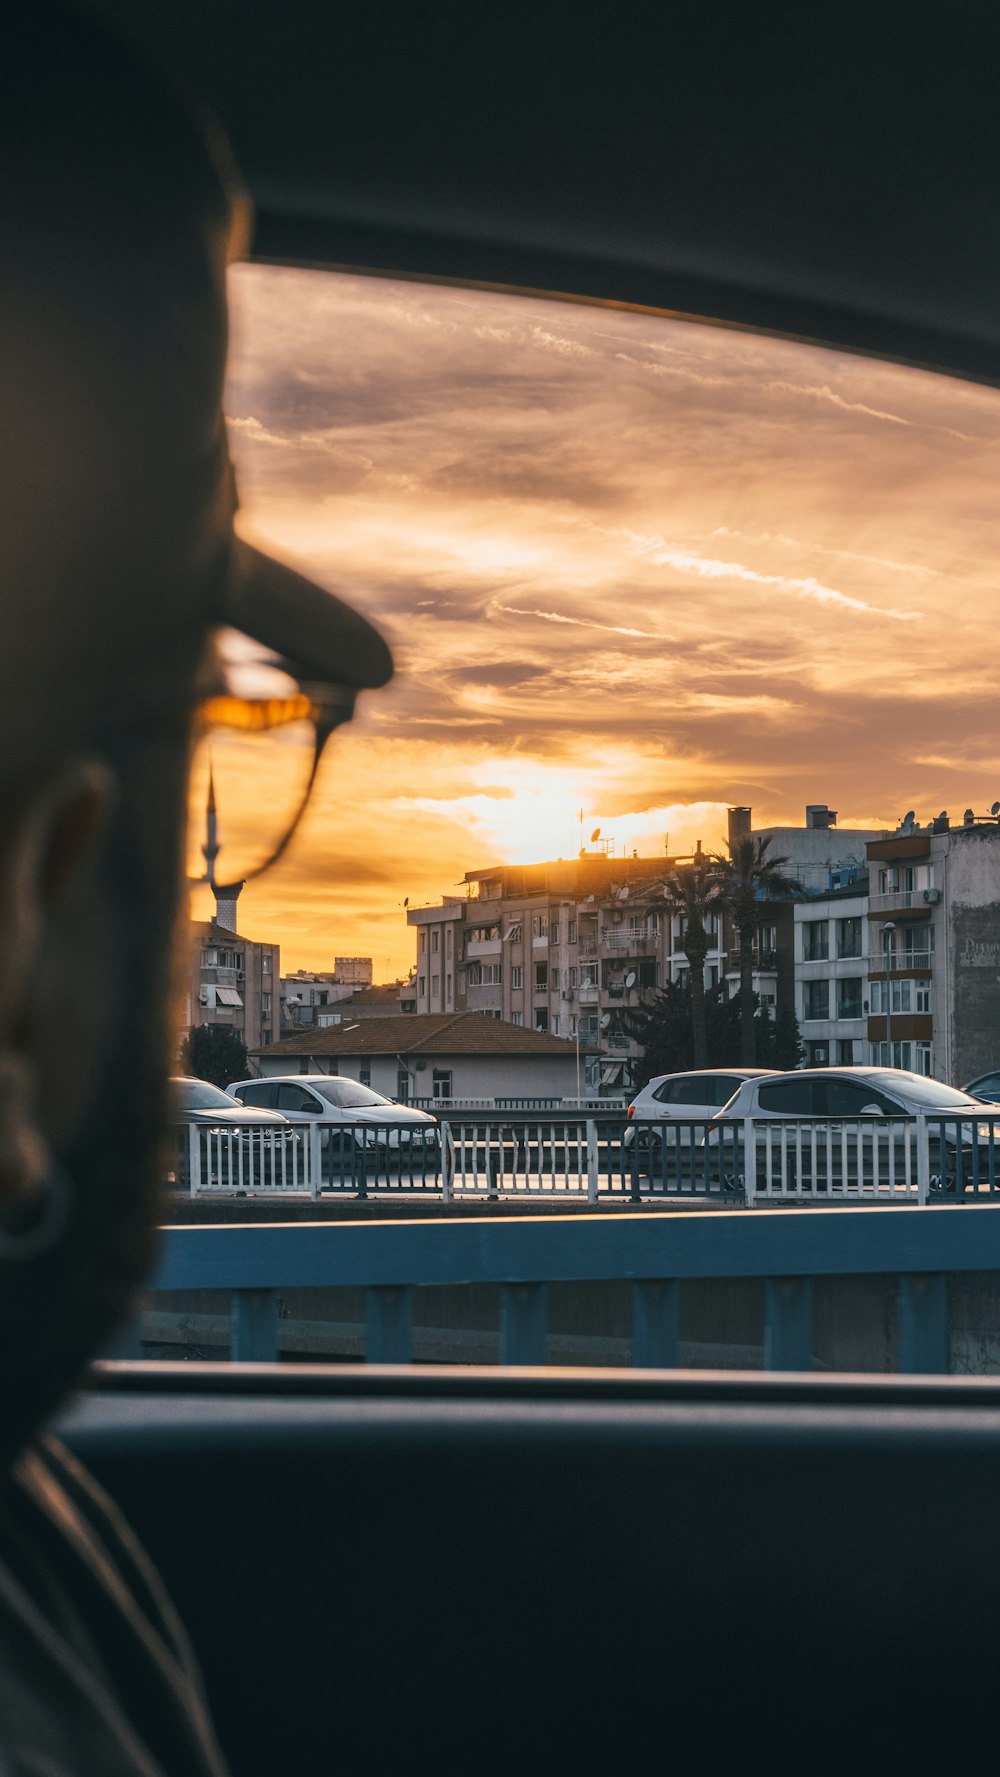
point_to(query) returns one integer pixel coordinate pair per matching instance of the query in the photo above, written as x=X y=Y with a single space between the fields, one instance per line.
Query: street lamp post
x=887 y=938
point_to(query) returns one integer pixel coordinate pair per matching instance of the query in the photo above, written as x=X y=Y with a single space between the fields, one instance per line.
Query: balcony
x=920 y=900
x=766 y=958
x=904 y=962
x=483 y=947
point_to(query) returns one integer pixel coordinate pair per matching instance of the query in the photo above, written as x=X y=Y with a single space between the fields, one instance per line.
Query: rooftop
x=458 y=1033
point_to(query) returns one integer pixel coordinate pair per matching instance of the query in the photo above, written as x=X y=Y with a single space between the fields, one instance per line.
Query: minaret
x=226 y=894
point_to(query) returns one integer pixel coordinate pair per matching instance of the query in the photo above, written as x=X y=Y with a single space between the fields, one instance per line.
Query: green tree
x=778 y=1041
x=749 y=877
x=214 y=1052
x=665 y=1031
x=693 y=891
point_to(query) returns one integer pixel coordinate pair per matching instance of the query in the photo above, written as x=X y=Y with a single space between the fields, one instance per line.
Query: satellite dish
x=623 y=893
x=630 y=978
x=588 y=900
x=995 y=808
x=605 y=1020
x=596 y=834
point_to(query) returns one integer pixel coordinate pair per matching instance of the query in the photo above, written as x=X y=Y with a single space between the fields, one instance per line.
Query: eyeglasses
x=259 y=738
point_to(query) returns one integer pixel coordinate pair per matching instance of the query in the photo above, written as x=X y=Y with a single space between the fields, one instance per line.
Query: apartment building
x=832 y=988
x=572 y=946
x=934 y=957
x=233 y=981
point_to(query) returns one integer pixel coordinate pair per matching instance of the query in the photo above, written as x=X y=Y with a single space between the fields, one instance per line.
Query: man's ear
x=49 y=838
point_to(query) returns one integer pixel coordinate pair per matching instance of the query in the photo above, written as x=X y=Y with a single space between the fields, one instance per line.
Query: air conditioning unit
x=932 y=897
x=240 y=975
x=204 y=998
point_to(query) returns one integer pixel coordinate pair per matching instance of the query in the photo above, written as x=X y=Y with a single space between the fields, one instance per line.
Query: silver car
x=854 y=1126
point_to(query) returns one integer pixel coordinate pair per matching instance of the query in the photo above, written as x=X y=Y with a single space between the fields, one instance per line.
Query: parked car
x=699 y=1093
x=262 y=1136
x=986 y=1088
x=367 y=1119
x=829 y=1100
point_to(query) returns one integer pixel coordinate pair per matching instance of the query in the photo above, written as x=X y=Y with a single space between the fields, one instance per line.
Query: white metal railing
x=591 y=1151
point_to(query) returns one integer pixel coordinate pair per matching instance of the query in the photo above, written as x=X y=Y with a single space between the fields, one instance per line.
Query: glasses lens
x=251 y=767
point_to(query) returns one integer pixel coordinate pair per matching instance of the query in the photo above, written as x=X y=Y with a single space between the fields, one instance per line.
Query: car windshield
x=347 y=1095
x=198 y=1095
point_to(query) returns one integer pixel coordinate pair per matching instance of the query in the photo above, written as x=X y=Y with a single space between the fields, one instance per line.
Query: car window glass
x=258 y=1092
x=723 y=1087
x=296 y=1098
x=851 y=1098
x=696 y=1089
x=787 y=1098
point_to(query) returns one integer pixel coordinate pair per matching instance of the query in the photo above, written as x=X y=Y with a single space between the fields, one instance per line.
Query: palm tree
x=693 y=890
x=749 y=877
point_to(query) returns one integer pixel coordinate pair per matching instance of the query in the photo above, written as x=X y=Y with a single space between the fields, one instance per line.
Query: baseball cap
x=120 y=209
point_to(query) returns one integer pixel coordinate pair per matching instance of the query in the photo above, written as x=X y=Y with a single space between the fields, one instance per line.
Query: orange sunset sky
x=629 y=565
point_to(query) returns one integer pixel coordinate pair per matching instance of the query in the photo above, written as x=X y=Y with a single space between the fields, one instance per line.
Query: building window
x=484 y=934
x=818 y=1054
x=422 y=944
x=815 y=943
x=555 y=1025
x=572 y=979
x=554 y=933
x=265 y=1038
x=448 y=940
x=817 y=999
x=541 y=977
x=845 y=1051
x=588 y=974
x=541 y=1018
x=849 y=996
x=448 y=988
x=435 y=986
x=571 y=932
x=265 y=964
x=517 y=1018
x=516 y=975
x=923 y=1059
x=848 y=937
x=539 y=925
x=402 y=1087
x=514 y=931
x=554 y=978
x=435 y=942
x=422 y=987
x=365 y=1073
x=265 y=1005
x=441 y=1082
x=484 y=974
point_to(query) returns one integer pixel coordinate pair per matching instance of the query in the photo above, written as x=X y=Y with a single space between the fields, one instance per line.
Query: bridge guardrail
x=599 y=1157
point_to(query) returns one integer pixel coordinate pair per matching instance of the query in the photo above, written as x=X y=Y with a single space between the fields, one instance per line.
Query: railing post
x=255 y=1326
x=194 y=1159
x=447 y=1163
x=749 y=1161
x=523 y=1318
x=314 y=1151
x=923 y=1158
x=924 y=1340
x=655 y=1320
x=388 y=1323
x=592 y=1157
x=788 y=1323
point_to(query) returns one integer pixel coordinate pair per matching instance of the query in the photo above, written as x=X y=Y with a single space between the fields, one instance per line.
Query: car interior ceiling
x=446 y=1567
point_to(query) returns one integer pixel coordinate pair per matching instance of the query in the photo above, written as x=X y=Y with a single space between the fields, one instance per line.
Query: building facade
x=573 y=946
x=235 y=982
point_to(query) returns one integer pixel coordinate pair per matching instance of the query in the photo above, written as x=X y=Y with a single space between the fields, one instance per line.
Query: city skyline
x=630 y=566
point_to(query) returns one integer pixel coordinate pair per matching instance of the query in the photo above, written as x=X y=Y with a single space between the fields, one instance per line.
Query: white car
x=262 y=1135
x=821 y=1100
x=698 y=1094
x=370 y=1120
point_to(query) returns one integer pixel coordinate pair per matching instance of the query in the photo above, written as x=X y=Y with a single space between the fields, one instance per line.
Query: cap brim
x=303 y=622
